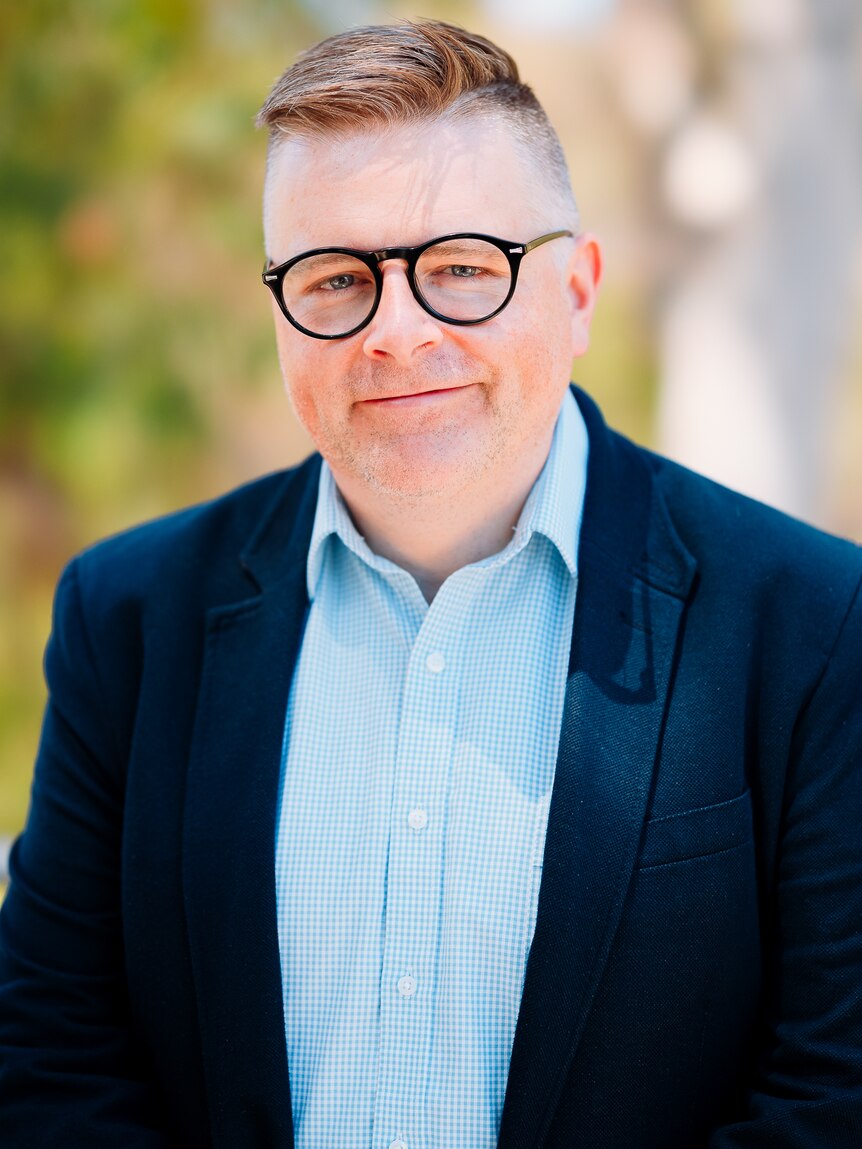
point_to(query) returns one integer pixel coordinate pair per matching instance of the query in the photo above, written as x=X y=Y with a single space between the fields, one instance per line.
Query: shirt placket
x=414 y=886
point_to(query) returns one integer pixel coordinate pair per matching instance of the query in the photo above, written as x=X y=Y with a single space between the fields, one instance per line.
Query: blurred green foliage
x=133 y=332
x=137 y=358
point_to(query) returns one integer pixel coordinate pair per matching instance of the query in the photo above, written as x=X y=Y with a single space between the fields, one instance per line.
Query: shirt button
x=435 y=662
x=417 y=819
x=398 y=1144
x=407 y=985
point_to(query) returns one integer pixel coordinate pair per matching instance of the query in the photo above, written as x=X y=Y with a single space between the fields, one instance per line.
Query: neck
x=434 y=536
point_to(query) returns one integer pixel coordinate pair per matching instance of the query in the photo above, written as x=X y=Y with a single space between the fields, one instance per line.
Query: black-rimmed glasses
x=465 y=278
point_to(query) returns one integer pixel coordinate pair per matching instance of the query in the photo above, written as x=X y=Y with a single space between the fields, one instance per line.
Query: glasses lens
x=464 y=279
x=330 y=293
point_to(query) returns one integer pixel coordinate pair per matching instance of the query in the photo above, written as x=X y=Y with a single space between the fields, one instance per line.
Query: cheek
x=295 y=378
x=544 y=348
x=313 y=382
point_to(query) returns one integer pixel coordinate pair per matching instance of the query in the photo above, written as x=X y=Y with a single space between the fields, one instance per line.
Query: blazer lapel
x=229 y=830
x=634 y=575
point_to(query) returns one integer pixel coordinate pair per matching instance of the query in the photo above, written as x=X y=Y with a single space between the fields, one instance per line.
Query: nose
x=400 y=327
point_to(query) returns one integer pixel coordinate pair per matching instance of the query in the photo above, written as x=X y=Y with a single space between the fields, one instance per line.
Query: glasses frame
x=273 y=277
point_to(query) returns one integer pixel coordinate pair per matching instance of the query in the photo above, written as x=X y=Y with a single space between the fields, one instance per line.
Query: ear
x=583 y=276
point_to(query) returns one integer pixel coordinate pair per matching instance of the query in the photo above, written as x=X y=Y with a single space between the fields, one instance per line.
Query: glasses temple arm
x=546 y=239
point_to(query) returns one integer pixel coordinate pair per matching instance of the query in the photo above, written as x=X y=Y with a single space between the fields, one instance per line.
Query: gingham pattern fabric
x=420 y=745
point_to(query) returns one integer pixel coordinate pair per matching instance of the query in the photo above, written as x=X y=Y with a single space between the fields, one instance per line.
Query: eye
x=464 y=271
x=338 y=283
x=327 y=275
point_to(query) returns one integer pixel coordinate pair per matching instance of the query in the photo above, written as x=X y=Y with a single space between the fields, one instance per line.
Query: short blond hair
x=393 y=75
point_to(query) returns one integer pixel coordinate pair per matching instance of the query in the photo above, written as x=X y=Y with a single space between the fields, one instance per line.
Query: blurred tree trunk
x=756 y=328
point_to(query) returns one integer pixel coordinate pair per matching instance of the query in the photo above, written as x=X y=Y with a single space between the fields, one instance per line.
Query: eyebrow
x=326 y=259
x=456 y=246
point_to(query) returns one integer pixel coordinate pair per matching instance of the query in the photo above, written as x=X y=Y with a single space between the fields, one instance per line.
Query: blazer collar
x=626 y=522
x=280 y=541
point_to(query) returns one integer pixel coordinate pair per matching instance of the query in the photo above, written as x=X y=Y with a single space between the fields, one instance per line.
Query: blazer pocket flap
x=698 y=833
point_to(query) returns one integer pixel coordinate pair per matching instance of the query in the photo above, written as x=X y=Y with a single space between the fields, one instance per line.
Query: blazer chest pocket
x=697 y=833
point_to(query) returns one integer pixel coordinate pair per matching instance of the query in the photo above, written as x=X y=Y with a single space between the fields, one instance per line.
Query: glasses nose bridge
x=409 y=255
x=385 y=253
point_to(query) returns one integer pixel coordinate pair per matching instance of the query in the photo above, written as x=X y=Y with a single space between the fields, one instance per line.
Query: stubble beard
x=448 y=458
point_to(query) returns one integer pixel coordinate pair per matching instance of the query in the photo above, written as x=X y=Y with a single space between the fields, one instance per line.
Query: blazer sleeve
x=72 y=1073
x=807 y=1092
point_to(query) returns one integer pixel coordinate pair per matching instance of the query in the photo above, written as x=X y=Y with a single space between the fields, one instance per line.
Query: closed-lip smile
x=409 y=397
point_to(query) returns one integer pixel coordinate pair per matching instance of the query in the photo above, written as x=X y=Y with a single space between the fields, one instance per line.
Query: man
x=491 y=782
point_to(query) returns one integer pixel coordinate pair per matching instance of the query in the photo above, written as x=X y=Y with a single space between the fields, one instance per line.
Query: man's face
x=411 y=407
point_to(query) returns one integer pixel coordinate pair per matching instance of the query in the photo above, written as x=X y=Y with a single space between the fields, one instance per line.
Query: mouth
x=417 y=398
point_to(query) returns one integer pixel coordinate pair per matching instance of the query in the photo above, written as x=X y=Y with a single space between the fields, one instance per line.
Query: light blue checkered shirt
x=420 y=746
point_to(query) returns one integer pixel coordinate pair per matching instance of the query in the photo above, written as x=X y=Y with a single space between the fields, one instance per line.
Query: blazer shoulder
x=650 y=515
x=745 y=543
x=194 y=552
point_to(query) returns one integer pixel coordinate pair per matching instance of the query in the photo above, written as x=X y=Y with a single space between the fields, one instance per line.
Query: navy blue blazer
x=695 y=979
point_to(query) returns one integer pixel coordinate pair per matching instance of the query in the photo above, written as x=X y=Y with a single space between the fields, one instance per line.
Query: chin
x=408 y=479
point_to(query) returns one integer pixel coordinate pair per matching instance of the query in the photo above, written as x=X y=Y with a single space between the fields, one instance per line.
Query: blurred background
x=715 y=147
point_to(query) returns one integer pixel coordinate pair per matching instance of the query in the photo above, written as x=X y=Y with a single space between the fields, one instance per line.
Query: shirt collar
x=554 y=507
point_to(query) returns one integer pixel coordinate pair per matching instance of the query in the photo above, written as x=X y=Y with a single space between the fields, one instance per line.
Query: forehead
x=399 y=186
